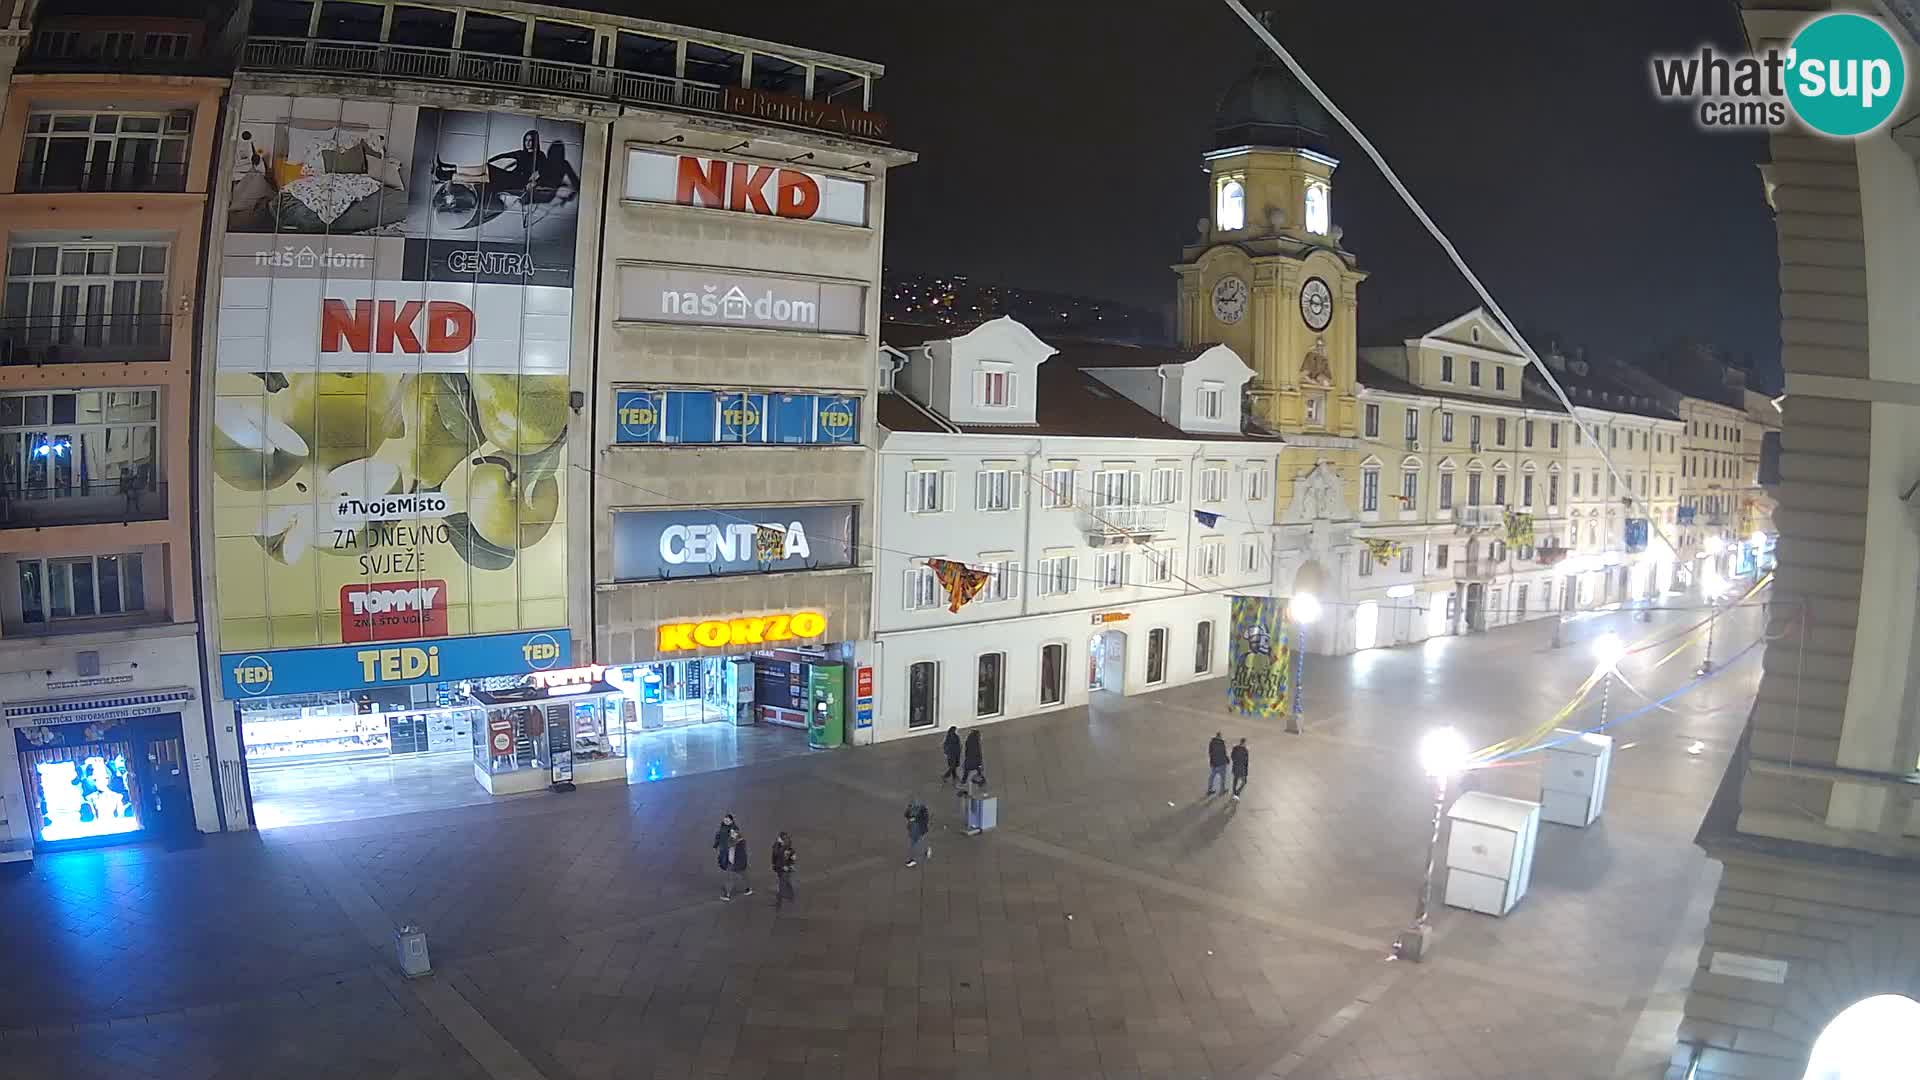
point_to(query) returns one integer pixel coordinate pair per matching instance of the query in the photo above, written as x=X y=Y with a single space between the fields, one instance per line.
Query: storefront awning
x=97 y=708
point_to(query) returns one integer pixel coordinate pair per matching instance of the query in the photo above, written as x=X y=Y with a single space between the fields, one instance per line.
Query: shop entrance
x=1107 y=661
x=102 y=783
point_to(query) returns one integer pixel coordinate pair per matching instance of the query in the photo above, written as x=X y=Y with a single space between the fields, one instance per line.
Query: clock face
x=1230 y=300
x=1316 y=304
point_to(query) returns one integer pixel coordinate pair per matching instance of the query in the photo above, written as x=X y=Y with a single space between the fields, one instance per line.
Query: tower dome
x=1268 y=107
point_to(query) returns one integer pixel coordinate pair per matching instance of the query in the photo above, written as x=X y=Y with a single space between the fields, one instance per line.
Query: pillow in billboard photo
x=386 y=170
x=251 y=194
x=351 y=159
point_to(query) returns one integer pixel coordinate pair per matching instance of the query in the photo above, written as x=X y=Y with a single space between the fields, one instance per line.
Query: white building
x=1077 y=477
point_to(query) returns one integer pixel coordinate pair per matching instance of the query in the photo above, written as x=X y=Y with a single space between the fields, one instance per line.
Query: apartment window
x=1111 y=566
x=1473 y=488
x=1203 y=647
x=1316 y=403
x=925 y=488
x=1446 y=491
x=1473 y=373
x=1473 y=432
x=1576 y=485
x=1055 y=575
x=1446 y=427
x=1499 y=377
x=996 y=489
x=1115 y=487
x=106 y=151
x=994 y=387
x=1526 y=489
x=1613 y=484
x=80 y=588
x=1553 y=489
x=88 y=301
x=1409 y=489
x=1526 y=433
x=1249 y=555
x=1373 y=421
x=1497 y=551
x=1446 y=369
x=1500 y=489
x=1442 y=553
x=1366 y=563
x=1579 y=433
x=1369 y=490
x=1500 y=431
x=1412 y=426
x=1213 y=484
x=1057 y=490
x=1256 y=483
x=990 y=699
x=1613 y=438
x=1053 y=673
x=1208 y=403
x=1553 y=436
x=75 y=444
x=1163 y=486
x=1210 y=558
x=1156 y=655
x=922 y=591
x=1003 y=582
x=1159 y=565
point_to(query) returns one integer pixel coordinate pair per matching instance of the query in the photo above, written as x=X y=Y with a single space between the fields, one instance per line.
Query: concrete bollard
x=410 y=942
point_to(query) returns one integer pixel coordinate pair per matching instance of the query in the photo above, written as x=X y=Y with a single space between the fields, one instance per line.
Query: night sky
x=1060 y=145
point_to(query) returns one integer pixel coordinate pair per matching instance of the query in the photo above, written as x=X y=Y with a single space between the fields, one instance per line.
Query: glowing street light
x=1444 y=754
x=1306 y=608
x=1608 y=650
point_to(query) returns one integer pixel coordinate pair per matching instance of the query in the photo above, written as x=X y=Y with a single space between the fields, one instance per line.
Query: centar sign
x=755 y=630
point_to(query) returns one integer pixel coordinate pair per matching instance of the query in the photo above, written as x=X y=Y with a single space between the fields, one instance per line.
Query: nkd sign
x=669 y=294
x=650 y=545
x=745 y=188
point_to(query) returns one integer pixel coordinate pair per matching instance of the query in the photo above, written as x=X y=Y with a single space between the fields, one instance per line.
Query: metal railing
x=80 y=339
x=487 y=69
x=1123 y=520
x=1479 y=517
x=136 y=175
x=80 y=502
x=1478 y=568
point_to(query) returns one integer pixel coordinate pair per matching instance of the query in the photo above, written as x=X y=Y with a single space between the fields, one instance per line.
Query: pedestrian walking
x=1216 y=764
x=952 y=746
x=973 y=769
x=783 y=860
x=731 y=843
x=1239 y=768
x=918 y=820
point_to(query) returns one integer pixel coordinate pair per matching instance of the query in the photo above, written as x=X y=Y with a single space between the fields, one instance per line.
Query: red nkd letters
x=389 y=326
x=734 y=185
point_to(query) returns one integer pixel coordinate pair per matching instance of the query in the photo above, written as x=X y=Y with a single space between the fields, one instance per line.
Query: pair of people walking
x=964 y=766
x=730 y=842
x=1219 y=760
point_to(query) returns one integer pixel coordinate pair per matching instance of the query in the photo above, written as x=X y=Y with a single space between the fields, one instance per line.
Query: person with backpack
x=1239 y=757
x=973 y=769
x=918 y=821
x=1216 y=764
x=952 y=746
x=783 y=860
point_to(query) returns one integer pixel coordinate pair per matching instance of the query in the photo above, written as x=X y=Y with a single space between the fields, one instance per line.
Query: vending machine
x=826 y=705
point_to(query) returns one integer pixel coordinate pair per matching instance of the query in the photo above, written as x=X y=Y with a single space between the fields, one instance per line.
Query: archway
x=1872 y=1039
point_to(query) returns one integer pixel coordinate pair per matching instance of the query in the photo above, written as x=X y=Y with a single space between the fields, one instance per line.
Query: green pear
x=439 y=416
x=521 y=415
x=342 y=416
x=251 y=450
x=286 y=532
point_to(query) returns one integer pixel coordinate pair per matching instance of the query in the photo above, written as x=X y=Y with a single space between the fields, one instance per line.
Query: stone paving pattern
x=1116 y=925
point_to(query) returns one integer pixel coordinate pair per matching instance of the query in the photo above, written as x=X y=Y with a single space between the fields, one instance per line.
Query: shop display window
x=79 y=792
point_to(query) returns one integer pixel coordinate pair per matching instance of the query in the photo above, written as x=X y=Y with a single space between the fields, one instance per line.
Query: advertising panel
x=389 y=431
x=651 y=545
x=644 y=417
x=1259 y=658
x=768 y=190
x=355 y=667
x=690 y=296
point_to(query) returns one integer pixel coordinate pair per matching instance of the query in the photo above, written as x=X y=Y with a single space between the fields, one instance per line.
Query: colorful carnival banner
x=389 y=429
x=1259 y=658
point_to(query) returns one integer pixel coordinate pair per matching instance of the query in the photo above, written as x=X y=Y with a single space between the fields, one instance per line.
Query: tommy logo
x=390 y=326
x=391 y=610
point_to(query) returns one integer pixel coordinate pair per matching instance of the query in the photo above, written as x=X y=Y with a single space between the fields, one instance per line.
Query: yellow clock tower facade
x=1268 y=277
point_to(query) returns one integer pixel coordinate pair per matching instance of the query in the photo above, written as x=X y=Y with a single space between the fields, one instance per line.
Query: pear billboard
x=388 y=432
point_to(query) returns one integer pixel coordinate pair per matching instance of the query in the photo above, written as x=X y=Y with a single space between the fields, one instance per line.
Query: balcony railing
x=134 y=175
x=486 y=69
x=1113 y=523
x=80 y=502
x=109 y=339
x=1482 y=568
x=1479 y=517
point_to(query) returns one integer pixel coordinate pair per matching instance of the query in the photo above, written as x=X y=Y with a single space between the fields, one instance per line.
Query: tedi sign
x=744 y=187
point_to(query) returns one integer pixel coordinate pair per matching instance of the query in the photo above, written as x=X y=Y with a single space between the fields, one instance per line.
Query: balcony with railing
x=1106 y=525
x=82 y=339
x=133 y=175
x=49 y=504
x=1479 y=517
x=1478 y=568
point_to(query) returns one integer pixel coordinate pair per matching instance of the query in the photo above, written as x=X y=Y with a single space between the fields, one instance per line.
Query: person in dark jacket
x=973 y=770
x=918 y=821
x=783 y=860
x=1216 y=764
x=731 y=844
x=952 y=746
x=1239 y=757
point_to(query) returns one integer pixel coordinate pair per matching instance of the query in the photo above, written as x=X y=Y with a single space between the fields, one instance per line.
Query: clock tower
x=1267 y=275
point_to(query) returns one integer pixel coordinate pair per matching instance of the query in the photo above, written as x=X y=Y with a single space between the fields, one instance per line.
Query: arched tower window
x=1231 y=213
x=1319 y=216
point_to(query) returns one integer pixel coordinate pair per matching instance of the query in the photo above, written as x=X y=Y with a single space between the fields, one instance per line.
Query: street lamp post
x=1607 y=651
x=1711 y=586
x=1443 y=753
x=1304 y=608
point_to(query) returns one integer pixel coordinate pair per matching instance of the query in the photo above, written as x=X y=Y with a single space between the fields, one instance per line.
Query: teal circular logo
x=1846 y=74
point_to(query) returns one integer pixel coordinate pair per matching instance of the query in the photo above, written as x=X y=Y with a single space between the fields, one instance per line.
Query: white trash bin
x=410 y=942
x=983 y=813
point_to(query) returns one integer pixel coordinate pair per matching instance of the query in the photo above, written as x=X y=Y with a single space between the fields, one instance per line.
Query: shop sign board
x=804 y=112
x=1101 y=618
x=744 y=187
x=696 y=417
x=863 y=697
x=652 y=545
x=388 y=436
x=356 y=667
x=752 y=630
x=697 y=296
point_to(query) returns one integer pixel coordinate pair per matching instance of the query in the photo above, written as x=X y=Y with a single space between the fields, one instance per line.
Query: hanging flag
x=1204 y=518
x=1259 y=658
x=769 y=543
x=961 y=581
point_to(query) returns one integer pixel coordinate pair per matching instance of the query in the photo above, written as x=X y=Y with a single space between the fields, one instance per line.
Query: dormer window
x=995 y=387
x=1230 y=211
x=1207 y=406
x=1319 y=216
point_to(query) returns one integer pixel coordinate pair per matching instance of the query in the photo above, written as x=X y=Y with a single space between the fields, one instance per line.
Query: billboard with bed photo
x=391 y=400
